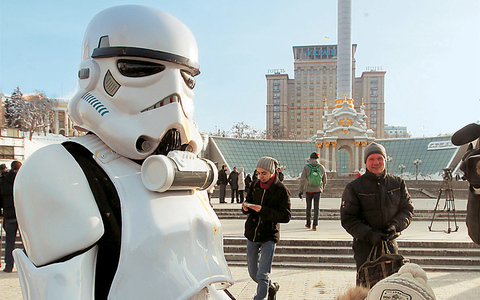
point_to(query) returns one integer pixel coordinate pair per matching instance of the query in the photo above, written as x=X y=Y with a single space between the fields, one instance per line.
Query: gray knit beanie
x=374 y=148
x=268 y=163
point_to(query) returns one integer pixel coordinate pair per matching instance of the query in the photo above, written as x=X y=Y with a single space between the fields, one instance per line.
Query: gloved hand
x=376 y=237
x=300 y=195
x=391 y=232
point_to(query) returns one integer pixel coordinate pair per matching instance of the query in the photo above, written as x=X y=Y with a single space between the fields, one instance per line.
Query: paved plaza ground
x=312 y=283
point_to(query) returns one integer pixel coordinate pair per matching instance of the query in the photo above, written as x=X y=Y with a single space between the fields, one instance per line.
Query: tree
x=245 y=131
x=28 y=116
x=15 y=108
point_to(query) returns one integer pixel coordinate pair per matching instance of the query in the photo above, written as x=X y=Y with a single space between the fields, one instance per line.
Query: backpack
x=314 y=176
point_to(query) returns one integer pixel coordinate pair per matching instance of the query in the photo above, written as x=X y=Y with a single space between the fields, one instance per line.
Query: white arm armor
x=73 y=279
x=56 y=210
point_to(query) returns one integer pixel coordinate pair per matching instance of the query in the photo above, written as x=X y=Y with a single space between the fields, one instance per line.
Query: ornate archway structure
x=344 y=128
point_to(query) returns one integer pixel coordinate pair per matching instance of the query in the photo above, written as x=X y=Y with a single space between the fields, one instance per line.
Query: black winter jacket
x=6 y=193
x=233 y=180
x=264 y=225
x=222 y=177
x=374 y=202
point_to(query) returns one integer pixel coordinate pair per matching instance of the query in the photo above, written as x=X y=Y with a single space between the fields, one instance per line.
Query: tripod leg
x=435 y=210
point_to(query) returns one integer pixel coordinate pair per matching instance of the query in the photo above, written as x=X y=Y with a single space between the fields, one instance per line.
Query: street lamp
x=401 y=168
x=417 y=163
x=388 y=159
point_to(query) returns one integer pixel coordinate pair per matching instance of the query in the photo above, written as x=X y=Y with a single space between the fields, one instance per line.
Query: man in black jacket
x=376 y=206
x=267 y=205
x=222 y=182
x=10 y=224
x=233 y=181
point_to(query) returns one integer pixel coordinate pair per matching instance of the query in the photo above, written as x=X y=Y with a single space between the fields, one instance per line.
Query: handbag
x=375 y=268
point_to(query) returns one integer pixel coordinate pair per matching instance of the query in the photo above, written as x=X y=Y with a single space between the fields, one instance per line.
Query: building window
x=276 y=115
x=276 y=108
x=276 y=95
x=7 y=152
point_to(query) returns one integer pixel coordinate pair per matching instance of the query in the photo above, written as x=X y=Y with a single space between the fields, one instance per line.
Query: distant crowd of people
x=239 y=183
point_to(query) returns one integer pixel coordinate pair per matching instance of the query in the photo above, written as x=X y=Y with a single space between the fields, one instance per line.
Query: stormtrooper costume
x=122 y=212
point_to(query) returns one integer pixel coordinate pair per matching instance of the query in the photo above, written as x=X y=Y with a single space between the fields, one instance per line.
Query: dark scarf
x=268 y=183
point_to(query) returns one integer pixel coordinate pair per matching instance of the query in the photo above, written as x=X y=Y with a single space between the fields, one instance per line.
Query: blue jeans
x=11 y=227
x=259 y=260
x=316 y=202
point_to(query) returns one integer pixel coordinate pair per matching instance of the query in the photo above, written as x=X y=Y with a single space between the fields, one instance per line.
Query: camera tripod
x=449 y=201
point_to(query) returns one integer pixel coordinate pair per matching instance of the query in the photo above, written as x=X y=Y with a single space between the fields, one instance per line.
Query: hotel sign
x=276 y=71
x=315 y=52
x=374 y=68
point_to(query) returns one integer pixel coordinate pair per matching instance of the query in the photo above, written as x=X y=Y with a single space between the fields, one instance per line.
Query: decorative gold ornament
x=345 y=122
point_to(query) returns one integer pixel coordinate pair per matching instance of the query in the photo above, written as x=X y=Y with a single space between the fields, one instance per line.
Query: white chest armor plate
x=172 y=243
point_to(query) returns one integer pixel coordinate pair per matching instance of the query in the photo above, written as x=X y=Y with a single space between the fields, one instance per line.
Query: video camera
x=471 y=168
x=470 y=165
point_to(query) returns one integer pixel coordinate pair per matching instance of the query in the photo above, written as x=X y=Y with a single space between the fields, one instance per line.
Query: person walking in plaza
x=241 y=186
x=281 y=176
x=312 y=181
x=222 y=182
x=10 y=224
x=233 y=181
x=267 y=205
x=255 y=175
x=248 y=182
x=375 y=207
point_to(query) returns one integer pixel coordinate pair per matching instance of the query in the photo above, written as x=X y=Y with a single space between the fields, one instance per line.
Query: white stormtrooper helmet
x=136 y=82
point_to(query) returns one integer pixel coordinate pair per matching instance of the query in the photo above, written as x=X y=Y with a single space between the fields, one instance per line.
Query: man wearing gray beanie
x=375 y=207
x=267 y=205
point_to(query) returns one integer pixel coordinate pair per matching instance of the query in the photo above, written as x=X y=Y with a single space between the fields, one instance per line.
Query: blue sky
x=429 y=49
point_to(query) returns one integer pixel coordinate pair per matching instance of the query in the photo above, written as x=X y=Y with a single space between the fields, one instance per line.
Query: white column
x=55 y=121
x=357 y=158
x=327 y=156
x=334 y=156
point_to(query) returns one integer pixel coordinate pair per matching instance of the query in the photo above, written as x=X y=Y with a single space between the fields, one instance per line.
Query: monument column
x=334 y=156
x=364 y=144
x=357 y=156
x=327 y=156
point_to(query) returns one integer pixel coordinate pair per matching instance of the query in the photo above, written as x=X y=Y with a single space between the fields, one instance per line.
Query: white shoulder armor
x=56 y=210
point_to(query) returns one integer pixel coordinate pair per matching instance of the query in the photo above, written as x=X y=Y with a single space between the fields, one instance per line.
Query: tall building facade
x=295 y=106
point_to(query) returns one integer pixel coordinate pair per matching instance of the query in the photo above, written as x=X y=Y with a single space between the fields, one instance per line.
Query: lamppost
x=417 y=163
x=388 y=159
x=401 y=168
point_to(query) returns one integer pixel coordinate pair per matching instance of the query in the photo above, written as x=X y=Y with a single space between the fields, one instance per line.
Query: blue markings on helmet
x=95 y=103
